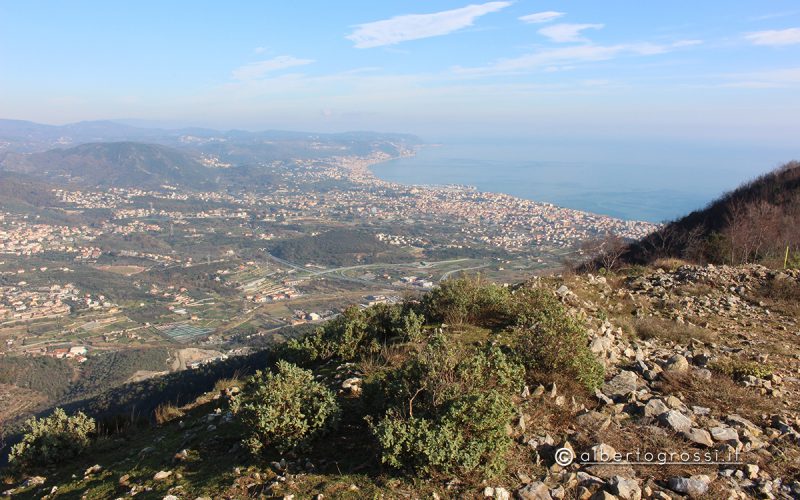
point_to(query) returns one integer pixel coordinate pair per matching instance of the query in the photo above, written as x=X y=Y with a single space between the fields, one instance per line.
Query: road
x=336 y=272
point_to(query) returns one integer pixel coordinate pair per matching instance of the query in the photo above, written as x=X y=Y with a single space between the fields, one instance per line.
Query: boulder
x=699 y=436
x=603 y=495
x=654 y=408
x=497 y=493
x=352 y=385
x=626 y=489
x=676 y=421
x=695 y=486
x=162 y=475
x=722 y=433
x=603 y=453
x=94 y=469
x=534 y=491
x=677 y=364
x=623 y=384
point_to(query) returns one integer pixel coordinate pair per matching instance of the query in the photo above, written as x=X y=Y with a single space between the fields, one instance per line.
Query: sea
x=654 y=182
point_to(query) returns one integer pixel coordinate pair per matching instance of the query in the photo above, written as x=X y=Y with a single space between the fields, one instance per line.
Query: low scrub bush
x=356 y=333
x=53 y=439
x=470 y=434
x=785 y=289
x=737 y=369
x=549 y=340
x=468 y=300
x=446 y=409
x=285 y=410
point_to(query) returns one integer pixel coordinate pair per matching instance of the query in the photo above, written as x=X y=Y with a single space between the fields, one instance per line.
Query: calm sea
x=663 y=185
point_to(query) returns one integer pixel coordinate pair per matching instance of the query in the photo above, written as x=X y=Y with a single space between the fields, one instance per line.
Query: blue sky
x=726 y=72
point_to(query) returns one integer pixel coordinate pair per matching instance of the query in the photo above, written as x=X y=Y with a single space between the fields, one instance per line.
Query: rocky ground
x=701 y=399
x=706 y=372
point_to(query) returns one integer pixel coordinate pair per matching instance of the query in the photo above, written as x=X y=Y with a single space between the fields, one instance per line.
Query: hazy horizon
x=719 y=72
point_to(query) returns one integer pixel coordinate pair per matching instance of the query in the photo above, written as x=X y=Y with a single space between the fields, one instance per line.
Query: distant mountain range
x=104 y=153
x=26 y=137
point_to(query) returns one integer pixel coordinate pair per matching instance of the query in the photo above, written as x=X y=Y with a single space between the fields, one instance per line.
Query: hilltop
x=753 y=223
x=122 y=164
x=686 y=359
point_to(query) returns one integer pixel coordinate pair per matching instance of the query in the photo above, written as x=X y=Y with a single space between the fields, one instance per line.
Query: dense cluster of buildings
x=20 y=304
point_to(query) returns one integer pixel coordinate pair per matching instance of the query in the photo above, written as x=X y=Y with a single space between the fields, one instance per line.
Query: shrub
x=492 y=367
x=469 y=435
x=736 y=369
x=468 y=300
x=356 y=333
x=448 y=409
x=52 y=439
x=285 y=410
x=550 y=340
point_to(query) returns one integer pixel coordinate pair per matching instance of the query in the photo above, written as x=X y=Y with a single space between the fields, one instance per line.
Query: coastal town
x=96 y=272
x=468 y=218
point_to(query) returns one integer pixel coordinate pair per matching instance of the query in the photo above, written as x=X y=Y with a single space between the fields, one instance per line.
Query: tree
x=606 y=251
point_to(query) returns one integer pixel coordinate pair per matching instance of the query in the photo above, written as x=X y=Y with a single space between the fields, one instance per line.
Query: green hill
x=122 y=164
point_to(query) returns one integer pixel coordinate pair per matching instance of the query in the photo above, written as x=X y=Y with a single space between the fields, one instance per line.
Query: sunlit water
x=663 y=186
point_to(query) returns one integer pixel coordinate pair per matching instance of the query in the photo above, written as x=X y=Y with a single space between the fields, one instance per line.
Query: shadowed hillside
x=754 y=223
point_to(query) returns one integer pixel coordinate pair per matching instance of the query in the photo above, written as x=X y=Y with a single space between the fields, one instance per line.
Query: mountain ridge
x=122 y=164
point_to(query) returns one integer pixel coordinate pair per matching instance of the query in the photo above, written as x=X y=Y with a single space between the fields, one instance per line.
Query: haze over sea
x=642 y=181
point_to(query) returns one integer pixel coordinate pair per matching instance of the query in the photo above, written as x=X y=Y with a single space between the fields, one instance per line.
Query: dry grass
x=167 y=412
x=719 y=392
x=662 y=329
x=783 y=295
x=227 y=383
x=669 y=264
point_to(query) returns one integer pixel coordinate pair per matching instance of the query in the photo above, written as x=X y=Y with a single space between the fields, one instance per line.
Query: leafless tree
x=606 y=250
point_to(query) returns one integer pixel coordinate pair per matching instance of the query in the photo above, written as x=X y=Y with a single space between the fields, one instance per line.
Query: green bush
x=550 y=340
x=468 y=300
x=285 y=410
x=737 y=369
x=357 y=332
x=470 y=435
x=492 y=367
x=53 y=439
x=447 y=410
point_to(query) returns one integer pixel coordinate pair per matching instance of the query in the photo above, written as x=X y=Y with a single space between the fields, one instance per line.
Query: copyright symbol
x=564 y=456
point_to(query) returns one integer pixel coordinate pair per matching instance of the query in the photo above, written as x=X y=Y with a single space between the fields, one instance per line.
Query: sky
x=724 y=72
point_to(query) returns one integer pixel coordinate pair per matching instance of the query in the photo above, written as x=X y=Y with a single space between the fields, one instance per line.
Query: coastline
x=368 y=175
x=498 y=219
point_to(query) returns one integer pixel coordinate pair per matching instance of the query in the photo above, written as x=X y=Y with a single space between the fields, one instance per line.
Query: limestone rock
x=695 y=486
x=676 y=421
x=624 y=383
x=535 y=491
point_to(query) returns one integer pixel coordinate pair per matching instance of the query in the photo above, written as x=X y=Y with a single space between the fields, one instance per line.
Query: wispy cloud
x=774 y=15
x=541 y=17
x=687 y=43
x=789 y=36
x=772 y=79
x=564 y=33
x=554 y=59
x=256 y=70
x=415 y=26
